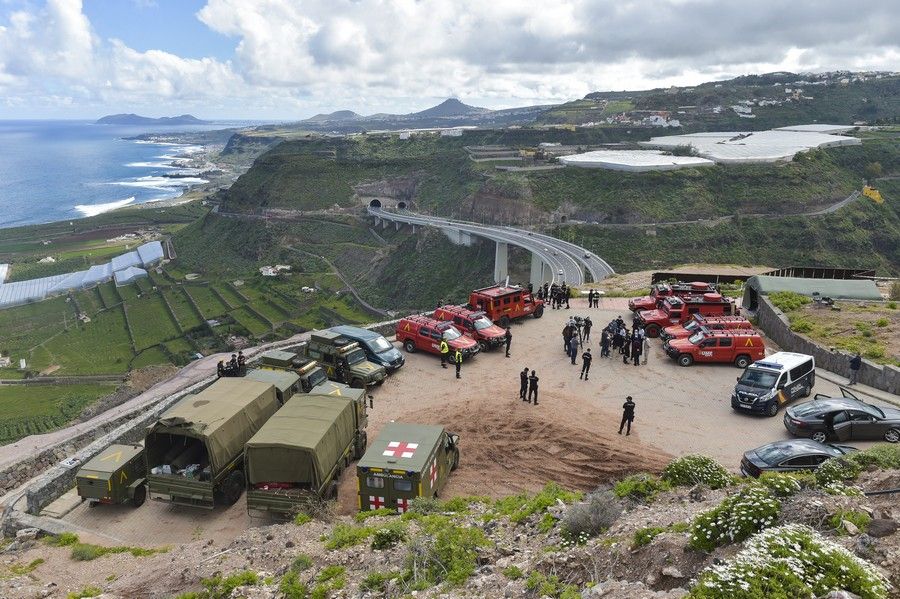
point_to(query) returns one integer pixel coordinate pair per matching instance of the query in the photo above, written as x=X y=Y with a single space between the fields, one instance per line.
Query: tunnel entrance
x=375 y=204
x=401 y=205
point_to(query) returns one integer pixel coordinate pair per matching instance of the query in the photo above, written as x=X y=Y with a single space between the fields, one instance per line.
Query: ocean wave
x=151 y=164
x=161 y=183
x=95 y=209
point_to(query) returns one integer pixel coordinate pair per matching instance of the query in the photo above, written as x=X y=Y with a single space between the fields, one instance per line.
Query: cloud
x=373 y=55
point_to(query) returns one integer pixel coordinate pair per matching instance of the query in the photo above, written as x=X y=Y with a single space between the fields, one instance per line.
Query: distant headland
x=136 y=119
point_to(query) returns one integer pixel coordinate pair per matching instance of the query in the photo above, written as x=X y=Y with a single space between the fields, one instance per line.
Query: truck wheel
x=455 y=464
x=357 y=384
x=504 y=321
x=482 y=346
x=140 y=496
x=772 y=410
x=742 y=361
x=685 y=360
x=892 y=435
x=233 y=487
x=332 y=491
x=539 y=312
x=652 y=330
x=409 y=346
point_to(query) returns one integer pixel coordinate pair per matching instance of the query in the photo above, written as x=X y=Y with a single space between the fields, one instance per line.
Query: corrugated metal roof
x=833 y=288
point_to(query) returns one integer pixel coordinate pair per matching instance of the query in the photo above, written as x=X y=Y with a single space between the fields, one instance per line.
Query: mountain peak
x=450 y=107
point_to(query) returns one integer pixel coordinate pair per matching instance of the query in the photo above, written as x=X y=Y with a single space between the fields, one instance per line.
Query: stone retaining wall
x=776 y=325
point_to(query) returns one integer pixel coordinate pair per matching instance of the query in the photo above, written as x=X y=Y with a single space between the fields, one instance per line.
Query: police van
x=770 y=383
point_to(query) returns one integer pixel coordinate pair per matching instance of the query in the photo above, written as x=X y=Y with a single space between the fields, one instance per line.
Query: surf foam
x=95 y=209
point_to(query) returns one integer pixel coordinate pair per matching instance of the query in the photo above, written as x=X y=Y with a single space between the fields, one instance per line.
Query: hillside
x=695 y=532
x=134 y=119
x=449 y=108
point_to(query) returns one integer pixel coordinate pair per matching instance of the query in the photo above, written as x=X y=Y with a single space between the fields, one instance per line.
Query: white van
x=768 y=384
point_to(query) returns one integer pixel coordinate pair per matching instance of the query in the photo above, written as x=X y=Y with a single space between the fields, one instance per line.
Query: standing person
x=242 y=363
x=573 y=347
x=637 y=348
x=645 y=349
x=530 y=288
x=567 y=334
x=566 y=294
x=445 y=352
x=523 y=383
x=507 y=339
x=590 y=298
x=855 y=365
x=457 y=359
x=627 y=415
x=626 y=349
x=533 y=387
x=553 y=295
x=604 y=344
x=586 y=358
x=587 y=328
x=546 y=290
x=232 y=367
x=617 y=338
x=220 y=368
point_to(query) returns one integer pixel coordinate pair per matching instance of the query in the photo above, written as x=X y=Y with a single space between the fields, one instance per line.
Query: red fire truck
x=713 y=323
x=740 y=347
x=504 y=304
x=474 y=324
x=678 y=310
x=660 y=291
x=425 y=334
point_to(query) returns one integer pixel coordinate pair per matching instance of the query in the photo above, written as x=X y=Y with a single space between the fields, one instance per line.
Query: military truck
x=297 y=456
x=344 y=361
x=406 y=461
x=115 y=475
x=311 y=374
x=286 y=383
x=195 y=451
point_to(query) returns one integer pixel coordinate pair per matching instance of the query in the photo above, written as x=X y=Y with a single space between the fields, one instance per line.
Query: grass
x=150 y=321
x=867 y=327
x=210 y=306
x=85 y=552
x=34 y=409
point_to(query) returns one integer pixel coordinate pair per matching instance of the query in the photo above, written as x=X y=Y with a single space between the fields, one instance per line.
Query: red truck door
x=724 y=351
x=706 y=351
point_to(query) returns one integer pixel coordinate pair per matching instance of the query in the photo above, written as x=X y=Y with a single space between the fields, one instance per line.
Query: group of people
x=555 y=295
x=631 y=345
x=236 y=366
x=593 y=299
x=528 y=386
x=456 y=359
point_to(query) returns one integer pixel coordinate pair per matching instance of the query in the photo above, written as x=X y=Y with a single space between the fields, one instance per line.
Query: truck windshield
x=692 y=326
x=761 y=379
x=696 y=338
x=380 y=344
x=482 y=323
x=317 y=377
x=356 y=356
x=450 y=333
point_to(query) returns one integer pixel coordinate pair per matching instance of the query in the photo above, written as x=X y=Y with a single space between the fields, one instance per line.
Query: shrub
x=513 y=572
x=346 y=535
x=842 y=489
x=640 y=487
x=85 y=552
x=892 y=305
x=592 y=516
x=218 y=587
x=377 y=581
x=303 y=518
x=301 y=562
x=645 y=536
x=882 y=456
x=788 y=301
x=882 y=322
x=62 y=540
x=550 y=586
x=697 y=469
x=801 y=325
x=291 y=588
x=519 y=507
x=382 y=511
x=740 y=515
x=547 y=522
x=789 y=561
x=387 y=537
x=85 y=592
x=837 y=470
x=860 y=519
x=780 y=484
x=336 y=575
x=894 y=292
x=445 y=551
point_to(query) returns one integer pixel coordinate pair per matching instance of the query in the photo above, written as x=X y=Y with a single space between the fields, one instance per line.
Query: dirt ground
x=634 y=281
x=870 y=327
x=508 y=446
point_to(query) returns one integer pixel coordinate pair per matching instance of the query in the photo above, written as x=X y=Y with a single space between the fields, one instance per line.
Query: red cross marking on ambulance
x=396 y=449
x=433 y=472
x=402 y=505
x=376 y=502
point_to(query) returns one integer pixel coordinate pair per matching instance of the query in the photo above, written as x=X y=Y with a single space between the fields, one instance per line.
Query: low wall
x=776 y=325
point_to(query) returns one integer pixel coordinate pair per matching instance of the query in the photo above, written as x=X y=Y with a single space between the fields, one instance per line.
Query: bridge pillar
x=539 y=270
x=457 y=237
x=500 y=262
x=384 y=224
x=397 y=224
x=377 y=221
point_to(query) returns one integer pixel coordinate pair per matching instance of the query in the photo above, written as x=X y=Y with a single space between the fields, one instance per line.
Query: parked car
x=790 y=456
x=842 y=419
x=378 y=349
x=774 y=381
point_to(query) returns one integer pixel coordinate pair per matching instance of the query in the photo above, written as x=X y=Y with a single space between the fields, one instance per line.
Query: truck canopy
x=277 y=358
x=302 y=442
x=223 y=417
x=402 y=446
x=283 y=380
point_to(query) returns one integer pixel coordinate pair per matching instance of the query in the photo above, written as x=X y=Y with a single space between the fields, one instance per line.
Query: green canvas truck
x=115 y=475
x=406 y=461
x=195 y=451
x=286 y=383
x=297 y=456
x=344 y=360
x=312 y=376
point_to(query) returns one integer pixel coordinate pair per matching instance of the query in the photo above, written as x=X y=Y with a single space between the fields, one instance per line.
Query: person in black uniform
x=242 y=363
x=604 y=343
x=637 y=348
x=586 y=327
x=220 y=368
x=586 y=358
x=507 y=339
x=533 y=388
x=523 y=384
x=627 y=415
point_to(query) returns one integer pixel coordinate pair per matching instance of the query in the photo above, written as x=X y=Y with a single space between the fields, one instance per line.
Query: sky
x=290 y=59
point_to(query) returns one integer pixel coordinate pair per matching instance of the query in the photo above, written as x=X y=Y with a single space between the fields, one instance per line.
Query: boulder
x=27 y=534
x=882 y=527
x=672 y=572
x=850 y=527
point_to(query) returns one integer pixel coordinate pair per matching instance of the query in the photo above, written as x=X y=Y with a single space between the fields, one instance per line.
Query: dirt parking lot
x=508 y=446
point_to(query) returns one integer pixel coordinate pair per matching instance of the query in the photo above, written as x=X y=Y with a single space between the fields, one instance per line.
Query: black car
x=842 y=419
x=378 y=349
x=790 y=456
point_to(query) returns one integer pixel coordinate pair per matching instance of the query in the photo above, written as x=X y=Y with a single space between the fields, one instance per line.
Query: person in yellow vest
x=445 y=353
x=457 y=359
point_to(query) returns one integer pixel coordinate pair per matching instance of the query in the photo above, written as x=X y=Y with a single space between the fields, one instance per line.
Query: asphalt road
x=561 y=256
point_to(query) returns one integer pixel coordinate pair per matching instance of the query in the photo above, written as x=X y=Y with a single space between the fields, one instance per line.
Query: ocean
x=58 y=170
